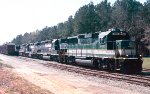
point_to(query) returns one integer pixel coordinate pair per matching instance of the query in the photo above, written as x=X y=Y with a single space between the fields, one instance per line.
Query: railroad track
x=132 y=79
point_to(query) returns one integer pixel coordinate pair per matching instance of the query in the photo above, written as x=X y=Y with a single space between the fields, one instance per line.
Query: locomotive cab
x=120 y=51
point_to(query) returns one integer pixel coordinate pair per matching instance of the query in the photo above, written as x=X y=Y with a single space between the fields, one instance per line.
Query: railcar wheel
x=59 y=59
x=66 y=59
x=100 y=65
x=110 y=66
x=41 y=56
x=71 y=60
x=50 y=58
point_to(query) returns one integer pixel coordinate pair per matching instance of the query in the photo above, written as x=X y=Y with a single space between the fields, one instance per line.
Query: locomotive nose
x=126 y=48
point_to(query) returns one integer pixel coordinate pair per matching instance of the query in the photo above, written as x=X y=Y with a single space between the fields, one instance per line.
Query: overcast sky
x=20 y=16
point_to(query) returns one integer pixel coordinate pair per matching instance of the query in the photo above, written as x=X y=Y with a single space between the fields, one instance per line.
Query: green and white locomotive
x=110 y=50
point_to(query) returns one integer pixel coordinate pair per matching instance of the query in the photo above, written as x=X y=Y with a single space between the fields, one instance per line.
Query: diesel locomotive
x=111 y=50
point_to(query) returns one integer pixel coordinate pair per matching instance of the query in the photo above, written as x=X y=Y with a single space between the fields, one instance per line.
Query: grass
x=146 y=63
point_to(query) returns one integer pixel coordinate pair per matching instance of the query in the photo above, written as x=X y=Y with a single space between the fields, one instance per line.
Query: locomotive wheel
x=100 y=65
x=71 y=60
x=50 y=58
x=59 y=59
x=110 y=65
x=41 y=56
x=66 y=59
x=56 y=58
x=62 y=59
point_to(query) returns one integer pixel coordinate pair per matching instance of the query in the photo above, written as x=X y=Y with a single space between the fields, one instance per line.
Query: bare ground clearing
x=63 y=82
x=11 y=83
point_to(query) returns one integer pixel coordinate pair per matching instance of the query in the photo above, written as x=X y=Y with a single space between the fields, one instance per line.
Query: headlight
x=140 y=56
x=127 y=55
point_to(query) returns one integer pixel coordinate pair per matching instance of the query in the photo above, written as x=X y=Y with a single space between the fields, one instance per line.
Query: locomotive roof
x=10 y=43
x=37 y=43
x=54 y=40
x=72 y=37
x=103 y=34
x=46 y=41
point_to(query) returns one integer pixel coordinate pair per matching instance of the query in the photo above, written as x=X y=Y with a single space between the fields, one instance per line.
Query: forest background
x=130 y=15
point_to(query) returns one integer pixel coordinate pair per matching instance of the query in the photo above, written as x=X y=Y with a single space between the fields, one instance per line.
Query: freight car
x=111 y=50
x=9 y=49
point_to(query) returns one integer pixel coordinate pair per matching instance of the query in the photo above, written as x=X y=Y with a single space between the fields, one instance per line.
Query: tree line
x=130 y=15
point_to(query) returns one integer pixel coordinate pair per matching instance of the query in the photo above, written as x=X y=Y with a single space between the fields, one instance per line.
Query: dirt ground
x=30 y=77
x=10 y=83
